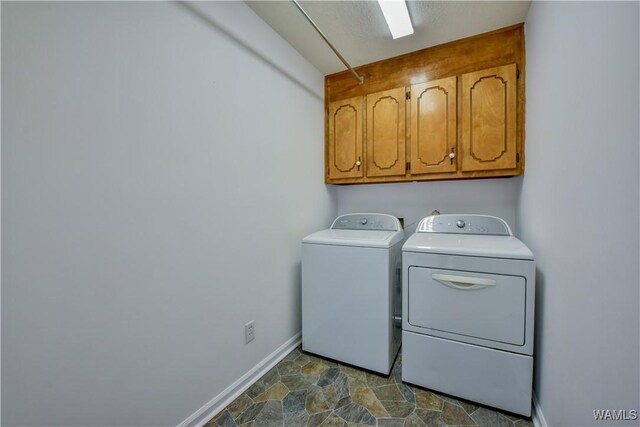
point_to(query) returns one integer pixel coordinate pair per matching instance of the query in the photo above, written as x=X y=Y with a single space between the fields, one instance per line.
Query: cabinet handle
x=463 y=283
x=358 y=163
x=452 y=155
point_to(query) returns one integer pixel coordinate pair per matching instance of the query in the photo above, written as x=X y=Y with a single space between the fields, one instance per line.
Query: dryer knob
x=460 y=223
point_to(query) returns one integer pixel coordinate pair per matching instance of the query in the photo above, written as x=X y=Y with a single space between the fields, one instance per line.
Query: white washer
x=468 y=304
x=351 y=291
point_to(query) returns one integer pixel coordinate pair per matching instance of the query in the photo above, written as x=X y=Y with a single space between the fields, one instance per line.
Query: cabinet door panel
x=489 y=119
x=345 y=138
x=433 y=126
x=386 y=153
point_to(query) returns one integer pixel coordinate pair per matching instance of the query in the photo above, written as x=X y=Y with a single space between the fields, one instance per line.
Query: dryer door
x=468 y=304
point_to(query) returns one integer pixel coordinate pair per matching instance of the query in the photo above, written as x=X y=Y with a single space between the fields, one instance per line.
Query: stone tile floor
x=307 y=390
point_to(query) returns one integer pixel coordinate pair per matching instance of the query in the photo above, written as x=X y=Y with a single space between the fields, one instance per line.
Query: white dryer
x=468 y=305
x=351 y=291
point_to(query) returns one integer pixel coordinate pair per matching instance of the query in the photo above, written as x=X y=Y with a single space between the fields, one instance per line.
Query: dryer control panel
x=464 y=224
x=367 y=221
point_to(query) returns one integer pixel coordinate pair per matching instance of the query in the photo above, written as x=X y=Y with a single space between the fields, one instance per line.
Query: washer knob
x=363 y=221
x=460 y=223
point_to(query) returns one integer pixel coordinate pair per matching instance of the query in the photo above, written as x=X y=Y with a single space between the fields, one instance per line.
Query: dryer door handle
x=462 y=282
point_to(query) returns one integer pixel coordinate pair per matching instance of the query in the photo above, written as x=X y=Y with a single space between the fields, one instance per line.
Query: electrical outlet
x=249 y=331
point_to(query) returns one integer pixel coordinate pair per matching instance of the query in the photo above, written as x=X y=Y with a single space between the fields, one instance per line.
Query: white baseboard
x=228 y=395
x=537 y=416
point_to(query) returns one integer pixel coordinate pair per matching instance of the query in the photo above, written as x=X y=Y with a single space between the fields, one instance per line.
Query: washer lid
x=361 y=238
x=468 y=244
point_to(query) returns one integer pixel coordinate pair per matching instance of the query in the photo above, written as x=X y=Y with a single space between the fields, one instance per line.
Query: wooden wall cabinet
x=454 y=111
x=386 y=134
x=344 y=143
x=489 y=119
x=433 y=127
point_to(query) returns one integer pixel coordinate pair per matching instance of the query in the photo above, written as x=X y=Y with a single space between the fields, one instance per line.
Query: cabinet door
x=386 y=155
x=345 y=138
x=489 y=119
x=433 y=126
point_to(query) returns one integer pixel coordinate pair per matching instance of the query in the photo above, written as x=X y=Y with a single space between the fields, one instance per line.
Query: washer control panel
x=367 y=221
x=464 y=224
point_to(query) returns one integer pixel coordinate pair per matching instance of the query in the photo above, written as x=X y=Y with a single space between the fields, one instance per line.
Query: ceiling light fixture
x=397 y=16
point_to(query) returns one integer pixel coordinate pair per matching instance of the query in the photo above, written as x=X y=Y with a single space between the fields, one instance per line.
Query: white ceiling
x=358 y=30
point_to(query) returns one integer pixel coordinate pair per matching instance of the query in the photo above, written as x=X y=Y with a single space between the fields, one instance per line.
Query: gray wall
x=413 y=201
x=578 y=206
x=157 y=178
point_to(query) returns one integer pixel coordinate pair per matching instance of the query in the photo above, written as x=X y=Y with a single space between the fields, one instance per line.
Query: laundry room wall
x=578 y=207
x=161 y=163
x=415 y=200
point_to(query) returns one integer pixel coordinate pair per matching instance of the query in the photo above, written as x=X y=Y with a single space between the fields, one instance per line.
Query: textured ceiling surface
x=358 y=30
